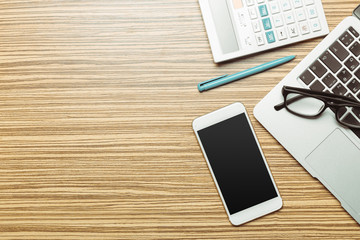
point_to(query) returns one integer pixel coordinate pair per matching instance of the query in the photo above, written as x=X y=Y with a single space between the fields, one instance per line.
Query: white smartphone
x=237 y=164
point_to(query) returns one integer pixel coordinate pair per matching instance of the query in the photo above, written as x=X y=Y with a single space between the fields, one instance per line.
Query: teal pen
x=216 y=82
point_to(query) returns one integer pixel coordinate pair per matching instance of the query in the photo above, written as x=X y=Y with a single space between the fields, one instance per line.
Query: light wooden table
x=96 y=104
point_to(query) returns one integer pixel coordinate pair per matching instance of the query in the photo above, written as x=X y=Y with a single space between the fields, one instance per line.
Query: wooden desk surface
x=96 y=103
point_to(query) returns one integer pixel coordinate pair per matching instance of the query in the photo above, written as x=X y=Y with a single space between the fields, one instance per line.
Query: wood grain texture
x=96 y=104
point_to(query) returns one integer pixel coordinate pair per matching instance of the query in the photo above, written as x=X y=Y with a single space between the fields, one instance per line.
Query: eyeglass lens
x=304 y=105
x=308 y=106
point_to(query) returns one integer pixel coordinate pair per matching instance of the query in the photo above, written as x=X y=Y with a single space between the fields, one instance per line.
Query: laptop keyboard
x=337 y=70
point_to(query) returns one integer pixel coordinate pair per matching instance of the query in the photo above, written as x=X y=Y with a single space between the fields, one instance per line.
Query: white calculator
x=241 y=27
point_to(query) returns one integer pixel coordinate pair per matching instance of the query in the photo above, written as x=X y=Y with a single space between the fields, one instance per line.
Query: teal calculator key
x=270 y=36
x=263 y=11
x=267 y=24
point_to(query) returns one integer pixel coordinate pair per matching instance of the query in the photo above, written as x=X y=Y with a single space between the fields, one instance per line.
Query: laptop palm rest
x=338 y=170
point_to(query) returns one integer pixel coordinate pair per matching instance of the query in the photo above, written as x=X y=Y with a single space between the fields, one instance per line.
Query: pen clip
x=213 y=79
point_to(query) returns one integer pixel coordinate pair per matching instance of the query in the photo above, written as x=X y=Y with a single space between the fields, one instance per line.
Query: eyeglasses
x=310 y=104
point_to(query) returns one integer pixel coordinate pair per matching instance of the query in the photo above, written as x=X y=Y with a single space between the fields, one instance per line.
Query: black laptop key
x=346 y=38
x=317 y=86
x=355 y=48
x=356 y=112
x=349 y=95
x=339 y=89
x=339 y=51
x=331 y=62
x=318 y=68
x=329 y=80
x=350 y=119
x=307 y=77
x=354 y=85
x=351 y=63
x=353 y=31
x=344 y=75
x=357 y=74
x=340 y=112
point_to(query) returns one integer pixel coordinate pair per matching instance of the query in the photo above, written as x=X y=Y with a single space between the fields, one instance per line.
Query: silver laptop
x=329 y=151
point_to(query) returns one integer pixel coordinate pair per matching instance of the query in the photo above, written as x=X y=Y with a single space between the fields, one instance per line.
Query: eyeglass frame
x=330 y=100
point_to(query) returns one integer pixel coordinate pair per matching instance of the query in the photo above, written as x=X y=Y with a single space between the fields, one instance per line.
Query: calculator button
x=355 y=49
x=260 y=39
x=289 y=17
x=339 y=50
x=293 y=31
x=297 y=3
x=260 y=1
x=249 y=41
x=304 y=28
x=312 y=12
x=309 y=2
x=263 y=11
x=307 y=77
x=353 y=31
x=281 y=33
x=315 y=25
x=318 y=68
x=256 y=26
x=270 y=37
x=300 y=15
x=266 y=23
x=250 y=2
x=242 y=19
x=278 y=22
x=252 y=13
x=274 y=7
x=285 y=5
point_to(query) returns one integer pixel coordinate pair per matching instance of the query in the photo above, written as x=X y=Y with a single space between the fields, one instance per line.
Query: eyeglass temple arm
x=328 y=96
x=280 y=106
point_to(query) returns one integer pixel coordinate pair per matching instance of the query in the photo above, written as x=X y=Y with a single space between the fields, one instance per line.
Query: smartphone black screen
x=237 y=163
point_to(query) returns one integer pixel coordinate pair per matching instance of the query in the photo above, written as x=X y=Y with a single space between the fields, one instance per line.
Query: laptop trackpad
x=337 y=161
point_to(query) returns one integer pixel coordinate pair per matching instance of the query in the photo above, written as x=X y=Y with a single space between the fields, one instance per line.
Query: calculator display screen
x=224 y=26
